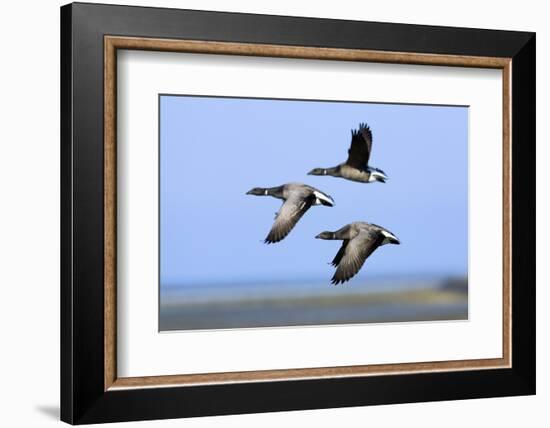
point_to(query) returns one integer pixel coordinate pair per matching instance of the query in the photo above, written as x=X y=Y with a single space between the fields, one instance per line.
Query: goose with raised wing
x=360 y=239
x=298 y=198
x=356 y=167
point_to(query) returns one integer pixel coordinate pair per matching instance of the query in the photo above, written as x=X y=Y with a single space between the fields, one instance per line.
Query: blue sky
x=213 y=150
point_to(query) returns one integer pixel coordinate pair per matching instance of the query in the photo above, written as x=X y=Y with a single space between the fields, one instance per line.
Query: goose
x=298 y=198
x=360 y=241
x=356 y=167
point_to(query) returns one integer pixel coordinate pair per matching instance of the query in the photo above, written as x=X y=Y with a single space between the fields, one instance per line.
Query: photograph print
x=284 y=212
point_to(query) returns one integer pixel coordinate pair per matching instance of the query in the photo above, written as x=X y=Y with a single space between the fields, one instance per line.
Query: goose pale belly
x=354 y=174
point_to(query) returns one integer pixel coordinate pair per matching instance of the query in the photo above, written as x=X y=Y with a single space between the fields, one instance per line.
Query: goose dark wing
x=340 y=253
x=291 y=211
x=361 y=145
x=356 y=251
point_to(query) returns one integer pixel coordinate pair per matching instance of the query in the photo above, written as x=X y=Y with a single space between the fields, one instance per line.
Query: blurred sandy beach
x=312 y=303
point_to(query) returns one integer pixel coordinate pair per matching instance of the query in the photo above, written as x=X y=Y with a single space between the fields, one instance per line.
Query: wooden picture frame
x=91 y=390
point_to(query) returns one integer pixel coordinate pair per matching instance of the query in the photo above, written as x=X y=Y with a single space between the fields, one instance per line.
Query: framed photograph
x=266 y=213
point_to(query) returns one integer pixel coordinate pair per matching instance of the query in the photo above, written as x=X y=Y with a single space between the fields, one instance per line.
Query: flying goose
x=356 y=167
x=360 y=241
x=298 y=198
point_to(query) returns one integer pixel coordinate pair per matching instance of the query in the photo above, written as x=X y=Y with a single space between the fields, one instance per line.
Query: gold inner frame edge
x=113 y=43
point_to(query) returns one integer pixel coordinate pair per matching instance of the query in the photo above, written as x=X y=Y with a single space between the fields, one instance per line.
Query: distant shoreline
x=424 y=304
x=227 y=293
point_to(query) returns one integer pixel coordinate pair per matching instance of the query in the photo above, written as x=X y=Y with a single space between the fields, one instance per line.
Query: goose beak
x=323 y=235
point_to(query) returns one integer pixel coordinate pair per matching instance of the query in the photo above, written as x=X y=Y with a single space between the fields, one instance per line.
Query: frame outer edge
x=66 y=259
x=83 y=397
x=524 y=216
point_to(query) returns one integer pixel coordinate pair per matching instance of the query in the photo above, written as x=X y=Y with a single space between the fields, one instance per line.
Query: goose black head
x=317 y=171
x=325 y=235
x=258 y=191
